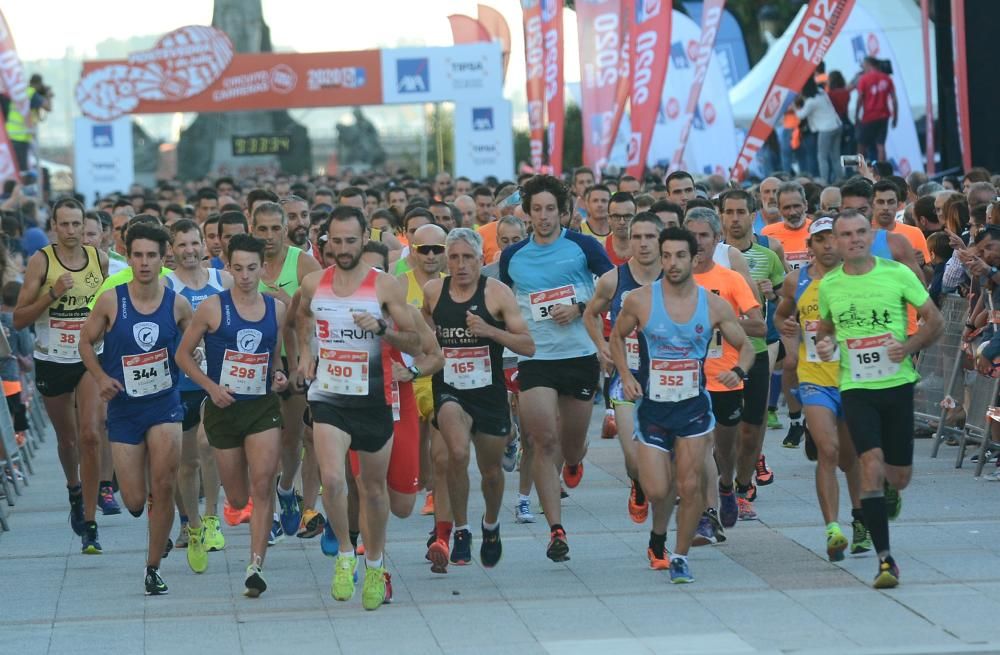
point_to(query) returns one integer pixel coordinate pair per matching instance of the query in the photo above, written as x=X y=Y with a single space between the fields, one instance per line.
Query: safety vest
x=17 y=127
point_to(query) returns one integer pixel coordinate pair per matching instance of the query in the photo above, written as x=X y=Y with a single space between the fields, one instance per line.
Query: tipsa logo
x=482 y=118
x=100 y=136
x=412 y=75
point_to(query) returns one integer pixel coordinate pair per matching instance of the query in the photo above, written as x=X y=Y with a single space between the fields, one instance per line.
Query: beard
x=348 y=262
x=299 y=236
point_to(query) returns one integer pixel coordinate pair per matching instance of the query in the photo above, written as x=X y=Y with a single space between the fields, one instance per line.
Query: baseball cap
x=821 y=225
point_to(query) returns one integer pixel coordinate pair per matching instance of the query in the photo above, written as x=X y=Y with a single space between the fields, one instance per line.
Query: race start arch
x=195 y=69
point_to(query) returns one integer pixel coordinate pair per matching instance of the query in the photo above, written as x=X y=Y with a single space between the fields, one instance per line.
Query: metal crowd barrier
x=941 y=383
x=22 y=455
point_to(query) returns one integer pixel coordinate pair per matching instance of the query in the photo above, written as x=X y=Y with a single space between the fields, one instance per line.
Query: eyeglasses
x=621 y=217
x=428 y=248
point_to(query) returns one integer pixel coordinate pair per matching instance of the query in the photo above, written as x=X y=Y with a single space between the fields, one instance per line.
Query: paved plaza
x=768 y=589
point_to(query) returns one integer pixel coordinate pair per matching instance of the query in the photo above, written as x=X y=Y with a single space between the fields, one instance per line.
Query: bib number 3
x=542 y=302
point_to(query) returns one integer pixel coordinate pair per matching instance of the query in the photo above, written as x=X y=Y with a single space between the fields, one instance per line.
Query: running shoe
x=106 y=501
x=235 y=516
x=659 y=562
x=277 y=533
x=491 y=550
x=572 y=474
x=254 y=580
x=437 y=553
x=638 y=506
x=90 y=545
x=428 y=508
x=522 y=513
x=509 y=462
x=893 y=501
x=154 y=583
x=312 y=524
x=388 y=589
x=772 y=420
x=167 y=548
x=461 y=549
x=562 y=494
x=373 y=591
x=182 y=536
x=717 y=528
x=343 y=577
x=729 y=510
x=197 y=556
x=558 y=550
x=861 y=541
x=836 y=543
x=794 y=436
x=328 y=542
x=609 y=429
x=680 y=572
x=992 y=477
x=76 y=520
x=359 y=549
x=811 y=454
x=703 y=534
x=764 y=475
x=291 y=515
x=214 y=539
x=888 y=574
x=752 y=492
x=746 y=512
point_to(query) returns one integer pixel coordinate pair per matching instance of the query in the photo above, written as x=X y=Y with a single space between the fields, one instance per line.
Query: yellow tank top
x=415 y=292
x=57 y=329
x=586 y=229
x=811 y=369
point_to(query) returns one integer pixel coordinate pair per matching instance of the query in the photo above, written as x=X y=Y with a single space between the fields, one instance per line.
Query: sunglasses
x=428 y=248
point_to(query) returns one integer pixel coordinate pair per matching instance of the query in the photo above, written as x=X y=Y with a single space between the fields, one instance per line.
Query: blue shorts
x=129 y=420
x=772 y=331
x=615 y=392
x=820 y=396
x=659 y=425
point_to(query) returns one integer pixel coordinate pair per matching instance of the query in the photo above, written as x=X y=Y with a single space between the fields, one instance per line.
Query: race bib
x=870 y=358
x=797 y=259
x=244 y=373
x=632 y=352
x=542 y=302
x=810 y=330
x=715 y=345
x=467 y=368
x=147 y=373
x=64 y=337
x=343 y=372
x=674 y=380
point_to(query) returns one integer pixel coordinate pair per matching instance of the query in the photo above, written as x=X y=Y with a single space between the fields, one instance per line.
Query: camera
x=850 y=160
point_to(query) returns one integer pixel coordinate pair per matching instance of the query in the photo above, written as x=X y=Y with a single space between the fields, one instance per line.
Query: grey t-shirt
x=20 y=344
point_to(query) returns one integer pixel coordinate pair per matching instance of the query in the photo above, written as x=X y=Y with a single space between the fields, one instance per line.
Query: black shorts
x=370 y=428
x=490 y=418
x=881 y=418
x=54 y=379
x=727 y=407
x=755 y=390
x=873 y=133
x=18 y=413
x=781 y=351
x=191 y=400
x=577 y=377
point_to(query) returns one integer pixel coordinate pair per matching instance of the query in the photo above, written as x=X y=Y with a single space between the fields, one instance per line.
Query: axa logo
x=100 y=136
x=482 y=118
x=646 y=9
x=412 y=75
x=247 y=340
x=146 y=333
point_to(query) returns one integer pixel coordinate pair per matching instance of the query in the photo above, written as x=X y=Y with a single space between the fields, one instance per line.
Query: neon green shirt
x=764 y=264
x=123 y=276
x=865 y=311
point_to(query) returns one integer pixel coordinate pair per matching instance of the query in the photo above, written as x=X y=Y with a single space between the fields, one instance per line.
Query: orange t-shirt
x=733 y=288
x=793 y=241
x=914 y=236
x=491 y=251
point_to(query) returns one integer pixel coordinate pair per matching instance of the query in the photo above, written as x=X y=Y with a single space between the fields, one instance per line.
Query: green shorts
x=227 y=428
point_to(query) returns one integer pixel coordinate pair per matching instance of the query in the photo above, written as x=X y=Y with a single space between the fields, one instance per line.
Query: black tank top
x=466 y=355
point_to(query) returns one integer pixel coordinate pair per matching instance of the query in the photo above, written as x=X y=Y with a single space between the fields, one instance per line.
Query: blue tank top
x=240 y=352
x=880 y=246
x=139 y=349
x=626 y=283
x=805 y=279
x=195 y=296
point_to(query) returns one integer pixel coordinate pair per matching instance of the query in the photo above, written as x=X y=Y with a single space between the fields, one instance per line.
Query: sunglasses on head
x=428 y=248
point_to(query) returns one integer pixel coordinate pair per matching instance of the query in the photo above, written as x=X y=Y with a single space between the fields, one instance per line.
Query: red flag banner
x=650 y=55
x=466 y=29
x=534 y=59
x=552 y=27
x=624 y=75
x=496 y=25
x=820 y=25
x=961 y=81
x=599 y=28
x=711 y=16
x=11 y=71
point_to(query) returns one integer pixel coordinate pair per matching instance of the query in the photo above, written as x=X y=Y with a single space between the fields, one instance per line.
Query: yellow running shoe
x=836 y=542
x=214 y=540
x=197 y=556
x=373 y=592
x=343 y=577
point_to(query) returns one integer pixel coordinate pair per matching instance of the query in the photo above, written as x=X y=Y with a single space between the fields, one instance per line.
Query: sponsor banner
x=462 y=72
x=818 y=29
x=555 y=110
x=466 y=29
x=650 y=48
x=710 y=20
x=15 y=82
x=961 y=82
x=599 y=24
x=624 y=74
x=103 y=157
x=484 y=140
x=534 y=58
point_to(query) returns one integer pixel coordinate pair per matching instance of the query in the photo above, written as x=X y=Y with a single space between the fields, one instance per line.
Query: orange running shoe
x=658 y=563
x=572 y=474
x=246 y=512
x=638 y=506
x=609 y=430
x=428 y=505
x=438 y=555
x=764 y=475
x=235 y=516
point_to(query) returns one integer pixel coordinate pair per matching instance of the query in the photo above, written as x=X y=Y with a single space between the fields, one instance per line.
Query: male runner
x=241 y=328
x=862 y=304
x=618 y=245
x=140 y=325
x=552 y=275
x=596 y=199
x=475 y=318
x=680 y=188
x=60 y=281
x=675 y=319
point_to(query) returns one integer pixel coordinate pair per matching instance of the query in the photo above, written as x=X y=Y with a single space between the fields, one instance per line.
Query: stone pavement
x=768 y=589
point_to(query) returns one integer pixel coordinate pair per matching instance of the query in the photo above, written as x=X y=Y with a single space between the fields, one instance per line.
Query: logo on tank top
x=248 y=340
x=699 y=328
x=146 y=334
x=92 y=280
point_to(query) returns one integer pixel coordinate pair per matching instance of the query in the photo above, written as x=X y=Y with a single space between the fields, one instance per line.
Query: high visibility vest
x=17 y=127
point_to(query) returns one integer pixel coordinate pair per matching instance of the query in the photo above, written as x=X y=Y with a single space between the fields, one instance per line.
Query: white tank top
x=721 y=255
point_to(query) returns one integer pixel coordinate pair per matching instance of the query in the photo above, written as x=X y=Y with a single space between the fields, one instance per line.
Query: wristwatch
x=414 y=371
x=382 y=327
x=582 y=306
x=993 y=271
x=740 y=372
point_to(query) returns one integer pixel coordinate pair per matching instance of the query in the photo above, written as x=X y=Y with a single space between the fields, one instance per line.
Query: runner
x=621 y=209
x=475 y=319
x=820 y=395
x=552 y=275
x=596 y=200
x=862 y=305
x=674 y=416
x=351 y=403
x=680 y=188
x=59 y=283
x=140 y=325
x=241 y=328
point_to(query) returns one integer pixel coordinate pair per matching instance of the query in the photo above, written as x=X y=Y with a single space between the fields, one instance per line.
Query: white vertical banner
x=484 y=139
x=103 y=157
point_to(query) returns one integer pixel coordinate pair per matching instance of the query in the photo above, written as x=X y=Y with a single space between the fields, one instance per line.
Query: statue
x=359 y=144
